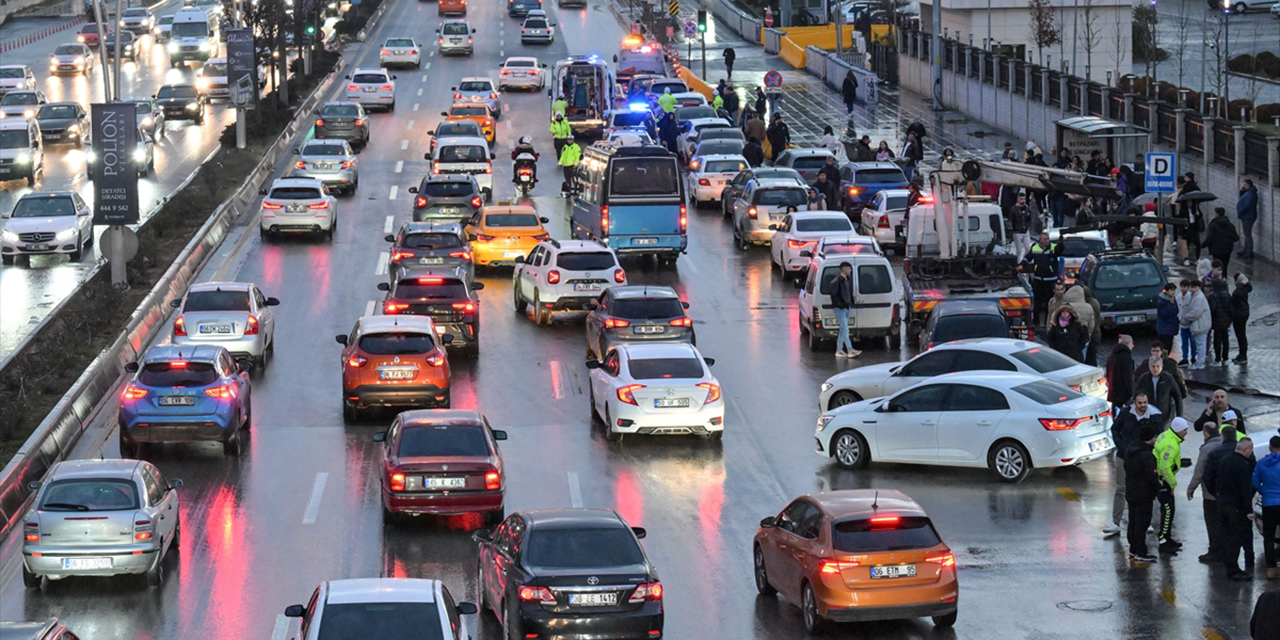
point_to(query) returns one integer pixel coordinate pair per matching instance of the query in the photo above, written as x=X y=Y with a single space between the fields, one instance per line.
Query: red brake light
x=800 y=244
x=397 y=481
x=386 y=87
x=493 y=96
x=392 y=308
x=346 y=164
x=492 y=481
x=356 y=360
x=421 y=202
x=616 y=323
x=221 y=392
x=271 y=205
x=625 y=394
x=413 y=52
x=457 y=96
x=946 y=559
x=300 y=164
x=134 y=393
x=476 y=202
x=684 y=220
x=319 y=205
x=682 y=322
x=178 y=364
x=926 y=200
x=650 y=591
x=320 y=122
x=619 y=276
x=537 y=594
x=353 y=87
x=359 y=122
x=1061 y=424
x=834 y=567
x=142 y=535
x=180 y=326
x=553 y=276
x=704 y=182
x=386 y=52
x=466 y=307
x=465 y=255
x=885 y=521
x=751 y=213
x=883 y=222
x=430 y=280
x=401 y=255
x=435 y=360
x=251 y=328
x=713 y=392
x=480 y=237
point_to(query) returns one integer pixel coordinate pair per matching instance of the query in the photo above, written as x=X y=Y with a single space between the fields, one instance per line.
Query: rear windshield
x=469 y=111
x=430 y=288
x=37 y=207
x=475 y=85
x=421 y=442
x=879 y=176
x=1127 y=276
x=451 y=189
x=295 y=193
x=511 y=220
x=144 y=107
x=368 y=78
x=693 y=113
x=824 y=224
x=781 y=197
x=399 y=42
x=455 y=29
x=675 y=87
x=892 y=203
x=57 y=111
x=19 y=73
x=217 y=301
x=582 y=548
x=721 y=132
x=462 y=153
x=526 y=64
x=64 y=50
x=1047 y=392
x=975 y=326
x=166 y=19
x=848 y=249
x=1082 y=247
x=184 y=93
x=630 y=119
x=1044 y=359
x=381 y=620
x=809 y=162
x=654 y=309
x=348 y=110
x=874 y=278
x=457 y=128
x=884 y=533
x=725 y=166
x=659 y=368
x=90 y=494
x=535 y=24
x=324 y=150
x=214 y=69
x=775 y=174
x=177 y=374
x=719 y=148
x=431 y=241
x=594 y=261
x=396 y=343
x=644 y=177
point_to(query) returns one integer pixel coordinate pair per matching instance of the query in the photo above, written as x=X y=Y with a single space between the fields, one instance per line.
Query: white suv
x=372 y=88
x=564 y=275
x=47 y=223
x=298 y=205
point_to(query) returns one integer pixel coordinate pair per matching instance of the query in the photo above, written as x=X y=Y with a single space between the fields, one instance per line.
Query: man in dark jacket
x=1234 y=490
x=762 y=103
x=1042 y=262
x=1209 y=510
x=1247 y=211
x=1240 y=315
x=731 y=103
x=1170 y=367
x=864 y=151
x=1262 y=626
x=913 y=153
x=1019 y=216
x=1120 y=374
x=1167 y=315
x=829 y=190
x=832 y=170
x=1220 y=314
x=1215 y=412
x=668 y=131
x=729 y=56
x=842 y=304
x=753 y=152
x=849 y=90
x=1095 y=338
x=779 y=136
x=1161 y=388
x=1126 y=428
x=1221 y=236
x=1141 y=484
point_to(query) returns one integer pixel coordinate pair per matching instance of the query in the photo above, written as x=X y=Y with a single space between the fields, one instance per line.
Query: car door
x=917 y=370
x=906 y=426
x=778 y=550
x=166 y=501
x=84 y=216
x=492 y=564
x=968 y=419
x=606 y=378
x=266 y=317
x=779 y=239
x=741 y=205
x=876 y=293
x=511 y=572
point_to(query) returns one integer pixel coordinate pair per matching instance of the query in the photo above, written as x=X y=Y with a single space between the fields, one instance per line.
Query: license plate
x=430 y=260
x=86 y=563
x=294 y=208
x=396 y=374
x=593 y=599
x=894 y=571
x=37 y=247
x=512 y=254
x=66 y=67
x=215 y=328
x=830 y=322
x=519 y=74
x=52 y=136
x=586 y=287
x=323 y=165
x=671 y=403
x=171 y=401
x=648 y=329
x=446 y=483
x=1130 y=319
x=370 y=89
x=1099 y=445
x=645 y=241
x=448 y=209
x=455 y=40
x=776 y=216
x=476 y=98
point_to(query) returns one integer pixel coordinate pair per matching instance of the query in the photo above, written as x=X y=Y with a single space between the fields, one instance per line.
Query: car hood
x=856 y=407
x=55 y=123
x=12 y=82
x=67 y=58
x=19 y=109
x=870 y=374
x=166 y=102
x=47 y=224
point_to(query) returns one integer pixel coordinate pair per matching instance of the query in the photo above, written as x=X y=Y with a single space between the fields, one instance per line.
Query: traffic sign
x=671 y=32
x=690 y=29
x=768 y=17
x=674 y=8
x=1161 y=171
x=773 y=80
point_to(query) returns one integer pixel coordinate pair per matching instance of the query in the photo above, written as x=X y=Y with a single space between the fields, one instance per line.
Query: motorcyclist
x=525 y=155
x=525 y=145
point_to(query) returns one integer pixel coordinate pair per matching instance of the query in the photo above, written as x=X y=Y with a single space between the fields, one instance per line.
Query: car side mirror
x=447 y=338
x=545 y=220
x=444 y=113
x=426 y=156
x=709 y=361
x=640 y=532
x=390 y=237
x=493 y=156
x=593 y=364
x=806 y=254
x=482 y=535
x=315 y=112
x=411 y=190
x=499 y=434
x=383 y=286
x=295 y=610
x=615 y=59
x=262 y=192
x=453 y=88
x=519 y=259
x=341 y=339
x=272 y=302
x=380 y=436
x=348 y=77
x=4 y=215
x=685 y=305
x=175 y=303
x=244 y=366
x=297 y=152
x=34 y=485
x=544 y=65
x=773 y=227
x=476 y=286
x=473 y=30
x=767 y=523
x=175 y=483
x=131 y=367
x=466 y=608
x=393 y=77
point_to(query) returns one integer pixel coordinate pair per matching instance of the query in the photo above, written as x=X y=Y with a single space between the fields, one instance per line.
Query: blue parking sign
x=1161 y=174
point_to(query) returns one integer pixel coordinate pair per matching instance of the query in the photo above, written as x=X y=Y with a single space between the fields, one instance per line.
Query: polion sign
x=115 y=173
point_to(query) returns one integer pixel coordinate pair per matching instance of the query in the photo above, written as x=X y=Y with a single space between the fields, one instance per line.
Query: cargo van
x=876 y=300
x=193 y=36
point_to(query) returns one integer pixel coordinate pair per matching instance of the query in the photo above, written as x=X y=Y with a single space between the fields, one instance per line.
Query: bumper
x=125 y=559
x=181 y=114
x=66 y=68
x=793 y=263
x=609 y=338
x=32 y=249
x=887 y=603
x=573 y=302
x=630 y=419
x=329 y=178
x=895 y=612
x=544 y=39
x=1112 y=319
x=886 y=237
x=518 y=81
x=387 y=61
x=1076 y=453
x=275 y=223
x=216 y=92
x=441 y=503
x=647 y=244
x=487 y=257
x=706 y=194
x=251 y=346
x=206 y=428
x=620 y=625
x=371 y=98
x=459 y=214
x=189 y=55
x=353 y=135
x=455 y=49
x=758 y=236
x=831 y=330
x=372 y=395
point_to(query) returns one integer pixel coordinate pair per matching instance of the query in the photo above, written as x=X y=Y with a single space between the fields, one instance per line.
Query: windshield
x=455 y=29
x=430 y=289
x=400 y=42
x=89 y=28
x=511 y=220
x=659 y=368
x=90 y=494
x=380 y=620
x=397 y=343
x=1127 y=276
x=475 y=85
x=64 y=50
x=178 y=374
x=324 y=150
x=809 y=162
x=969 y=326
x=431 y=241
x=888 y=534
x=214 y=69
x=582 y=548
x=1047 y=392
x=880 y=176
x=348 y=110
x=166 y=20
x=295 y=193
x=53 y=112
x=144 y=108
x=657 y=176
x=217 y=301
x=596 y=261
x=724 y=166
x=1082 y=247
x=369 y=78
x=18 y=73
x=824 y=224
x=654 y=309
x=443 y=441
x=177 y=93
x=135 y=13
x=1044 y=359
x=125 y=37
x=781 y=197
x=42 y=207
x=13 y=139
x=462 y=153
x=21 y=98
x=190 y=29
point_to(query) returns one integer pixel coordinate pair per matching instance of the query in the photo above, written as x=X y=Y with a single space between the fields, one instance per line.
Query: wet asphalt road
x=256 y=540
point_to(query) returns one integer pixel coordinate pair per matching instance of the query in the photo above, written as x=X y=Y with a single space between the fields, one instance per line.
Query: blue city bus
x=632 y=200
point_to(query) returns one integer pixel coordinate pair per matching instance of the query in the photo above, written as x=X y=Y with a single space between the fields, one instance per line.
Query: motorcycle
x=526 y=173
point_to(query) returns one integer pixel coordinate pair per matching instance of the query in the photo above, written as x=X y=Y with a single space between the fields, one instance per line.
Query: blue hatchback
x=861 y=181
x=185 y=394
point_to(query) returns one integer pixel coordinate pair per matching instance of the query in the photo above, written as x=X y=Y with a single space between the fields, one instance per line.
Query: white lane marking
x=404 y=144
x=381 y=269
x=313 y=506
x=415 y=106
x=575 y=493
x=557 y=382
x=507 y=124
x=399 y=168
x=501 y=53
x=386 y=227
x=410 y=125
x=394 y=190
x=511 y=143
x=281 y=628
x=502 y=43
x=506 y=107
x=688 y=264
x=424 y=76
x=419 y=91
x=368 y=307
x=433 y=53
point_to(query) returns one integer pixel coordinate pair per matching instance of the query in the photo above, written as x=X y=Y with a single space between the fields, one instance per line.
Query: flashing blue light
x=639 y=106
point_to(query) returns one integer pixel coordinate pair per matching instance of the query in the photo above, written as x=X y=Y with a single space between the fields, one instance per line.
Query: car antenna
x=875 y=502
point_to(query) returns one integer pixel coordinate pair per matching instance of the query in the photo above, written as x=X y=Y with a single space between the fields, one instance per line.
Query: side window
x=811 y=522
x=310 y=613
x=968 y=397
x=162 y=481
x=981 y=361
x=920 y=399
x=612 y=364
x=228 y=364
x=261 y=299
x=791 y=518
x=932 y=363
x=502 y=536
x=809 y=280
x=152 y=490
x=874 y=278
x=786 y=224
x=517 y=537
x=451 y=608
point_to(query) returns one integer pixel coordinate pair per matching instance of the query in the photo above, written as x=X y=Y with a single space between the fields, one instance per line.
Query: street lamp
x=1226 y=51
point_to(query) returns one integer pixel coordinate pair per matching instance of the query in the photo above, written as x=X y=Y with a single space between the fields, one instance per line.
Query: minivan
x=465 y=155
x=21 y=150
x=876 y=298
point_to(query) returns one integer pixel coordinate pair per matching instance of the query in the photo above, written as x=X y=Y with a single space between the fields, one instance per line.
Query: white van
x=465 y=155
x=193 y=36
x=877 y=300
x=984 y=223
x=211 y=79
x=21 y=150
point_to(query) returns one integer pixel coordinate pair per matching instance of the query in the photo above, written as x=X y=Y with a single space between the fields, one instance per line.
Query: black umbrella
x=1197 y=196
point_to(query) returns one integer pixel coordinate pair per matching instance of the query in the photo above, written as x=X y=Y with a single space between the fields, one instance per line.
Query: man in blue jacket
x=1247 y=211
x=1266 y=479
x=1167 y=315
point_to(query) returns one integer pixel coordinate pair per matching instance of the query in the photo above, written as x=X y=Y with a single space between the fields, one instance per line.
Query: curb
x=10 y=45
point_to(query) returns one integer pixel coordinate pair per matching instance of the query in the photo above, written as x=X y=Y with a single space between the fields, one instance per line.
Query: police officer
x=560 y=131
x=667 y=101
x=569 y=158
x=1042 y=261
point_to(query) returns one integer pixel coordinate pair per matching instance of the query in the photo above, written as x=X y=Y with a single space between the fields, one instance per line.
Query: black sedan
x=181 y=102
x=569 y=573
x=63 y=123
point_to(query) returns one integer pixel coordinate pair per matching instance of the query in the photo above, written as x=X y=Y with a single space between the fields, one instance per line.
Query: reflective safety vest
x=571 y=155
x=560 y=129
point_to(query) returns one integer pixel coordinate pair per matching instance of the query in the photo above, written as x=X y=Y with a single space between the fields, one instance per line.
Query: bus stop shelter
x=1082 y=135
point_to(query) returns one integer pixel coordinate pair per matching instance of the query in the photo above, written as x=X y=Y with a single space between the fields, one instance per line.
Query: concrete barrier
x=772 y=39
x=695 y=83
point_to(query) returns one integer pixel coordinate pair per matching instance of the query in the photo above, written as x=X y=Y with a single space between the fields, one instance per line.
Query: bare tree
x=1182 y=32
x=1044 y=28
x=1090 y=37
x=1146 y=36
x=1060 y=25
x=1250 y=72
x=1120 y=38
x=1213 y=30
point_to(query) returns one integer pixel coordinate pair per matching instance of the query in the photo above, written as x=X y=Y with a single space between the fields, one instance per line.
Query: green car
x=1126 y=284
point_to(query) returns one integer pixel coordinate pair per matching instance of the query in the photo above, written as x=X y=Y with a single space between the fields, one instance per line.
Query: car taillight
x=553 y=276
x=391 y=308
x=353 y=87
x=704 y=182
x=386 y=87
x=925 y=200
x=465 y=255
x=604 y=220
x=537 y=594
x=221 y=392
x=488 y=169
x=800 y=244
x=300 y=164
x=853 y=191
x=319 y=122
x=421 y=202
x=465 y=307
x=319 y=205
x=356 y=360
x=346 y=164
x=457 y=96
x=480 y=237
x=751 y=213
x=625 y=394
x=616 y=323
x=885 y=522
x=492 y=481
x=396 y=481
x=401 y=255
x=684 y=219
x=134 y=393
x=834 y=567
x=436 y=359
x=271 y=205
x=386 y=52
x=180 y=326
x=493 y=96
x=713 y=392
x=929 y=346
x=946 y=559
x=883 y=222
x=619 y=276
x=1061 y=424
x=1105 y=385
x=650 y=591
x=31 y=531
x=682 y=322
x=476 y=201
x=359 y=122
x=694 y=164
x=251 y=328
x=142 y=530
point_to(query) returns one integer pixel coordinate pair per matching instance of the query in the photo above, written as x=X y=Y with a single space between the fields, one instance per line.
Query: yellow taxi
x=502 y=233
x=476 y=112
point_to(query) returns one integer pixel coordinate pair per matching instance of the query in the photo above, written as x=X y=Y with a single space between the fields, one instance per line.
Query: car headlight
x=173 y=47
x=826 y=386
x=204 y=46
x=24 y=158
x=53 y=63
x=823 y=421
x=202 y=83
x=147 y=121
x=29 y=113
x=10 y=236
x=67 y=234
x=90 y=155
x=192 y=106
x=139 y=156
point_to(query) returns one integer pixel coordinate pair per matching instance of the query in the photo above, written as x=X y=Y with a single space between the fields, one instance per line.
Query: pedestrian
x=669 y=131
x=1042 y=262
x=755 y=127
x=1266 y=480
x=1095 y=333
x=731 y=103
x=1247 y=212
x=883 y=152
x=832 y=170
x=1019 y=217
x=1215 y=412
x=729 y=57
x=1168 y=451
x=913 y=154
x=1009 y=153
x=1067 y=334
x=1168 y=366
x=1129 y=423
x=1220 y=319
x=1235 y=502
x=569 y=158
x=761 y=104
x=842 y=304
x=1230 y=438
x=1240 y=316
x=849 y=90
x=1184 y=326
x=1262 y=626
x=1120 y=374
x=1160 y=387
x=1221 y=237
x=864 y=152
x=1209 y=506
x=1200 y=321
x=753 y=152
x=1142 y=483
x=1167 y=315
x=560 y=131
x=1074 y=298
x=816 y=200
x=830 y=142
x=779 y=137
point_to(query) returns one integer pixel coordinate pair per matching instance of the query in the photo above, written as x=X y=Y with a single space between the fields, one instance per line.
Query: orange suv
x=393 y=361
x=446 y=7
x=855 y=556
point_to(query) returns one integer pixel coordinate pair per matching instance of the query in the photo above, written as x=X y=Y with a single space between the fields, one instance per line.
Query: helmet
x=526 y=140
x=559 y=114
x=569 y=137
x=666 y=90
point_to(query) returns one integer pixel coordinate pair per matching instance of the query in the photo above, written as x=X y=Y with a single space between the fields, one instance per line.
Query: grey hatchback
x=431 y=244
x=343 y=121
x=637 y=313
x=447 y=197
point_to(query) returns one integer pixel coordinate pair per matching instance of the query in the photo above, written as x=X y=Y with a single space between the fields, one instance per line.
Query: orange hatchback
x=447 y=7
x=500 y=234
x=475 y=112
x=393 y=361
x=855 y=556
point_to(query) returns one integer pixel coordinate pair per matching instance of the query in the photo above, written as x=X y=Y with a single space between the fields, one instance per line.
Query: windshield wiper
x=65 y=505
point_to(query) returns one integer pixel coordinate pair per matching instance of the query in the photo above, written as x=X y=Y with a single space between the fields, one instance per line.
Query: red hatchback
x=441 y=462
x=90 y=35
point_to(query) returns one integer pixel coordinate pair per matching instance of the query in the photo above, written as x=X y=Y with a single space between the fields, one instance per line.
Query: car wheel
x=519 y=303
x=155 y=575
x=742 y=241
x=540 y=317
x=390 y=518
x=1010 y=461
x=1241 y=7
x=79 y=252
x=176 y=542
x=328 y=233
x=232 y=446
x=446 y=402
x=128 y=448
x=259 y=363
x=350 y=412
x=843 y=397
x=7 y=260
x=895 y=340
x=947 y=620
x=609 y=433
x=31 y=580
x=849 y=449
x=512 y=625
x=809 y=607
x=762 y=576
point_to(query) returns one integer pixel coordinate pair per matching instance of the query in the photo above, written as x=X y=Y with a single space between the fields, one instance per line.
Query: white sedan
x=708 y=176
x=400 y=51
x=799 y=232
x=1007 y=422
x=976 y=354
x=664 y=388
x=523 y=72
x=298 y=205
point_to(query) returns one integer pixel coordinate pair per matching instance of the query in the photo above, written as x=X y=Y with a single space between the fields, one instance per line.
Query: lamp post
x=1226 y=53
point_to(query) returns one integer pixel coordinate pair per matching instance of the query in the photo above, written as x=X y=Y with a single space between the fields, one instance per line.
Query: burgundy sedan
x=441 y=462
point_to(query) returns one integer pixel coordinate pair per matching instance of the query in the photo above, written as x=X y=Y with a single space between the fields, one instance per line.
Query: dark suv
x=181 y=102
x=438 y=245
x=861 y=181
x=961 y=319
x=446 y=295
x=637 y=313
x=450 y=197
x=1126 y=284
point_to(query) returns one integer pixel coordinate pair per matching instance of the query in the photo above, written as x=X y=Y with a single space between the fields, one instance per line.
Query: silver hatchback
x=455 y=38
x=100 y=518
x=333 y=162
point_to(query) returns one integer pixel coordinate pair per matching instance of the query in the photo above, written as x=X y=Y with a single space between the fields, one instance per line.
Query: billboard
x=242 y=68
x=115 y=169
